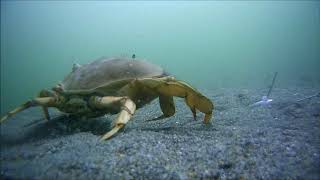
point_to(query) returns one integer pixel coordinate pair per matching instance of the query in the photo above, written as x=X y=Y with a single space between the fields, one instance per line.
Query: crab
x=117 y=86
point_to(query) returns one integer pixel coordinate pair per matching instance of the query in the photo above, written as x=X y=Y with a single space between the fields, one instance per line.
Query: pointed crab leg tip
x=3 y=119
x=207 y=118
x=105 y=137
x=109 y=134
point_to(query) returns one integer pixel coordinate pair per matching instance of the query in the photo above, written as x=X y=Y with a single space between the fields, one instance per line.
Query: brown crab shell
x=108 y=74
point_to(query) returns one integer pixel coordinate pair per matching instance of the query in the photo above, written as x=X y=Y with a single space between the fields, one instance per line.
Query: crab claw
x=44 y=101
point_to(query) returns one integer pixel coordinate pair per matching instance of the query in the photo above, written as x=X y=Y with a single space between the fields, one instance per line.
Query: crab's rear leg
x=127 y=108
x=167 y=106
x=194 y=99
x=43 y=101
x=168 y=86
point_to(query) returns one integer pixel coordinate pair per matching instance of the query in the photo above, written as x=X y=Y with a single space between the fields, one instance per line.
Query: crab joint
x=125 y=108
x=107 y=101
x=43 y=101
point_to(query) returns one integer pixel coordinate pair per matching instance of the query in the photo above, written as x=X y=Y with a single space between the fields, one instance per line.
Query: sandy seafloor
x=277 y=142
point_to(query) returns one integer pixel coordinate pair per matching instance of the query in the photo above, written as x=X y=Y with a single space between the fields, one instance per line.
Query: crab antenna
x=45 y=101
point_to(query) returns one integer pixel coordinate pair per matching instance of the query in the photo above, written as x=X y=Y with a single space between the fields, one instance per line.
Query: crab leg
x=44 y=101
x=167 y=107
x=168 y=86
x=45 y=93
x=127 y=109
x=46 y=113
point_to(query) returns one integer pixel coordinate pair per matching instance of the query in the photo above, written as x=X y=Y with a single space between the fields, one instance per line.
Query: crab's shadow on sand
x=62 y=125
x=57 y=127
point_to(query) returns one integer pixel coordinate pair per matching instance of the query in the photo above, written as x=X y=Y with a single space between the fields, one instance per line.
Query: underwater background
x=208 y=44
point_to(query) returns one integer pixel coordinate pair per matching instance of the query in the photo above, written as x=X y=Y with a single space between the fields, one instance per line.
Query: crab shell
x=107 y=77
x=105 y=72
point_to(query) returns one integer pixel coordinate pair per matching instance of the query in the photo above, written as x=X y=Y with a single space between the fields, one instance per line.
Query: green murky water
x=209 y=44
